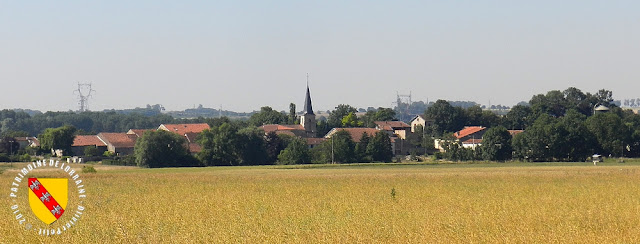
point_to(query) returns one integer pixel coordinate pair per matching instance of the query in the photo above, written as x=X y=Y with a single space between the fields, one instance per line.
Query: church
x=306 y=129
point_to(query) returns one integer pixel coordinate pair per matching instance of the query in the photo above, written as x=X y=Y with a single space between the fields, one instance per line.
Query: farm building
x=119 y=143
x=81 y=142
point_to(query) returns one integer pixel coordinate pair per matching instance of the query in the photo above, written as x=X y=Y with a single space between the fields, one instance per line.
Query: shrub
x=90 y=151
x=88 y=169
x=25 y=158
x=438 y=155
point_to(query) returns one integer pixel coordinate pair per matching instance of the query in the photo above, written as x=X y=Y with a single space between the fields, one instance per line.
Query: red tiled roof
x=194 y=148
x=468 y=131
x=391 y=125
x=315 y=141
x=138 y=132
x=515 y=132
x=23 y=139
x=356 y=133
x=276 y=127
x=191 y=137
x=87 y=140
x=32 y=141
x=284 y=132
x=121 y=140
x=182 y=129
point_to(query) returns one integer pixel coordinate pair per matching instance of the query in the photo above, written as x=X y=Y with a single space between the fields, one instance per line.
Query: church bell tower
x=308 y=119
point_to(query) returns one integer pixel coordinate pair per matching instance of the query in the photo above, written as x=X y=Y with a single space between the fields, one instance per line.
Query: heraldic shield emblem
x=48 y=198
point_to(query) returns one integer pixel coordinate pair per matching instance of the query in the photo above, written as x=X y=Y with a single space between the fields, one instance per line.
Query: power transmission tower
x=84 y=92
x=403 y=102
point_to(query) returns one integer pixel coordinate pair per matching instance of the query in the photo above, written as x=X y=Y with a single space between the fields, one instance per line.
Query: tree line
x=558 y=126
x=229 y=144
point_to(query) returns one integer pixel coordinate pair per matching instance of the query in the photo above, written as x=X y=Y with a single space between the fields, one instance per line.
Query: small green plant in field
x=25 y=158
x=88 y=169
x=393 y=193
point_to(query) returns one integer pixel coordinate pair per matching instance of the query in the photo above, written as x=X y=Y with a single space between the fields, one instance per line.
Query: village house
x=419 y=121
x=290 y=130
x=27 y=142
x=189 y=131
x=120 y=144
x=81 y=142
x=470 y=136
x=399 y=146
x=397 y=128
x=183 y=129
x=356 y=133
x=138 y=132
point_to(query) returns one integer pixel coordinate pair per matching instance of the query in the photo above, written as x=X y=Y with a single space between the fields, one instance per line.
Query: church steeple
x=308 y=119
x=308 y=109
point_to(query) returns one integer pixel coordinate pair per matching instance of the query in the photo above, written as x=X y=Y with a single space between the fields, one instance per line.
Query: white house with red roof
x=470 y=136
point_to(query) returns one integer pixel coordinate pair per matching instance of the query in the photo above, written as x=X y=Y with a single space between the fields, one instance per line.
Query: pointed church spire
x=308 y=109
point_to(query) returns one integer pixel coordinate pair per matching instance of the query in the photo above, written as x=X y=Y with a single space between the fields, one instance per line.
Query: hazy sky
x=247 y=54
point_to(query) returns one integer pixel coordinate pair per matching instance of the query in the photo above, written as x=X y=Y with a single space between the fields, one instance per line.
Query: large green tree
x=380 y=114
x=446 y=118
x=496 y=144
x=612 y=134
x=58 y=138
x=297 y=152
x=556 y=139
x=252 y=148
x=343 y=147
x=535 y=143
x=268 y=116
x=380 y=147
x=335 y=117
x=292 y=114
x=476 y=116
x=361 y=149
x=518 y=118
x=156 y=149
x=219 y=146
x=577 y=142
x=351 y=120
x=274 y=144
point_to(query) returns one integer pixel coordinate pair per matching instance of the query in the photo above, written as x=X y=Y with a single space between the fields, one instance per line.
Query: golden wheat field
x=504 y=203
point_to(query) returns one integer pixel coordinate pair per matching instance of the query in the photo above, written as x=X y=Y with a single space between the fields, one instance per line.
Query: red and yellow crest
x=48 y=198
